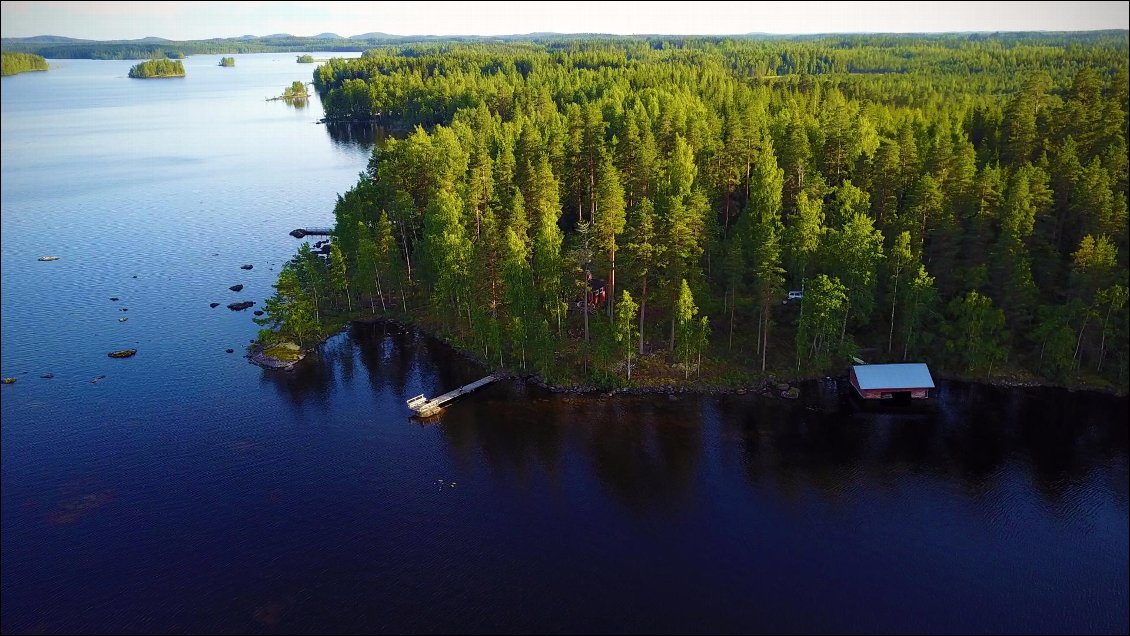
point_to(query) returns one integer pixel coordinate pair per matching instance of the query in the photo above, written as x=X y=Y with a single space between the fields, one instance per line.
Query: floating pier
x=425 y=407
x=311 y=231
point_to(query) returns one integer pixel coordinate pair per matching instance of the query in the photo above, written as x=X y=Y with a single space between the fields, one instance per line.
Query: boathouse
x=885 y=381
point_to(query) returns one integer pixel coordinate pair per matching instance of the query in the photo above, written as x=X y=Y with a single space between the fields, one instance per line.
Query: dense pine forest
x=959 y=200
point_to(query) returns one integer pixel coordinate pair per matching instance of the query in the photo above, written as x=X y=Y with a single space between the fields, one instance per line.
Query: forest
x=153 y=69
x=959 y=200
x=13 y=63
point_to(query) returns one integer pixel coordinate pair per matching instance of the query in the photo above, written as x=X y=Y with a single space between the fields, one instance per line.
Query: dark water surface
x=189 y=491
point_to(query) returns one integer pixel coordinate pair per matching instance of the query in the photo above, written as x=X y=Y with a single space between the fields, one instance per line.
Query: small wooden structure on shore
x=425 y=407
x=887 y=381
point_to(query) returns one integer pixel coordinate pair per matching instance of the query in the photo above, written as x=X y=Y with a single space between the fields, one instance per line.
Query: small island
x=296 y=93
x=306 y=58
x=156 y=69
x=14 y=63
x=227 y=61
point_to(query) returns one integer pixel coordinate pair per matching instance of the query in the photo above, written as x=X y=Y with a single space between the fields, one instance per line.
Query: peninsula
x=13 y=63
x=721 y=211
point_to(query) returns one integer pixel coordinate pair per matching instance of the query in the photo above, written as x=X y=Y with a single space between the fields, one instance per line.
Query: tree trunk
x=674 y=304
x=894 y=298
x=1102 y=343
x=730 y=346
x=643 y=309
x=760 y=314
x=407 y=258
x=843 y=327
x=765 y=347
x=1079 y=342
x=611 y=284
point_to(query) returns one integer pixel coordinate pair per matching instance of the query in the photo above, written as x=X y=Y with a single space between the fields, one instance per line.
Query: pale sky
x=201 y=20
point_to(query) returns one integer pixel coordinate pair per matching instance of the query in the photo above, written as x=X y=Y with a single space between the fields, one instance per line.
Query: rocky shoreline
x=257 y=355
x=769 y=387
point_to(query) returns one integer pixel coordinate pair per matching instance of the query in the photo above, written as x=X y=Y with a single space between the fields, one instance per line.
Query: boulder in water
x=246 y=266
x=241 y=306
x=124 y=353
x=9 y=380
x=236 y=288
x=48 y=258
x=213 y=305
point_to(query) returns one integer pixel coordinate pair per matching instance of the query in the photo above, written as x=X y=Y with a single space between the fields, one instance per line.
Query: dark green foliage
x=227 y=61
x=900 y=181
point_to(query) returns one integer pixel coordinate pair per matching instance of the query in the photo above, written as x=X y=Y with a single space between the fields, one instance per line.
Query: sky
x=202 y=20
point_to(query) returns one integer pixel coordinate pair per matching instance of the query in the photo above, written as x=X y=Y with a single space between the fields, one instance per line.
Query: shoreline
x=768 y=387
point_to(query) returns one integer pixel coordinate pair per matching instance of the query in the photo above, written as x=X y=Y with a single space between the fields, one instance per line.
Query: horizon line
x=571 y=33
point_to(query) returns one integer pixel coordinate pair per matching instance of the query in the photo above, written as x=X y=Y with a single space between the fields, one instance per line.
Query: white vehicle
x=793 y=295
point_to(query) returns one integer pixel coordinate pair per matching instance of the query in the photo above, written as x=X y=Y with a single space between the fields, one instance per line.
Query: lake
x=184 y=490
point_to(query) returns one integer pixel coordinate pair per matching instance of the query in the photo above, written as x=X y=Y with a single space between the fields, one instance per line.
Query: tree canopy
x=154 y=69
x=959 y=199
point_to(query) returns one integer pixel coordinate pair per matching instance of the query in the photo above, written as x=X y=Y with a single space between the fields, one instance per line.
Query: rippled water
x=189 y=491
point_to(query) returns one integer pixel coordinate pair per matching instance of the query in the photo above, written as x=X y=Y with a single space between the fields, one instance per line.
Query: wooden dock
x=311 y=231
x=425 y=407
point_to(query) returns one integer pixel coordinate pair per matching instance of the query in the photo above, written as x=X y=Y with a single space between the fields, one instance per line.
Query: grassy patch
x=285 y=351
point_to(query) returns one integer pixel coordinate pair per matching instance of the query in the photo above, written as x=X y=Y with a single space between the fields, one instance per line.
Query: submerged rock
x=246 y=266
x=241 y=306
x=236 y=288
x=258 y=312
x=122 y=319
x=114 y=299
x=124 y=353
x=230 y=350
x=213 y=305
x=47 y=376
x=96 y=379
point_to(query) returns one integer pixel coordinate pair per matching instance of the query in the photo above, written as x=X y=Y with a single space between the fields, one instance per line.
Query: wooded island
x=622 y=210
x=156 y=69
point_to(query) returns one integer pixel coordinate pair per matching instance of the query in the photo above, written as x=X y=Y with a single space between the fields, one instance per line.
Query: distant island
x=14 y=63
x=227 y=61
x=155 y=69
x=306 y=59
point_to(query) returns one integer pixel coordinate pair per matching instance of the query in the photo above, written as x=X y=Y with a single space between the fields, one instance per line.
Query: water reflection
x=363 y=136
x=648 y=453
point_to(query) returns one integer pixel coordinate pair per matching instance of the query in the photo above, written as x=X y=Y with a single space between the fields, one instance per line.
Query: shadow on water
x=310 y=380
x=647 y=451
x=363 y=136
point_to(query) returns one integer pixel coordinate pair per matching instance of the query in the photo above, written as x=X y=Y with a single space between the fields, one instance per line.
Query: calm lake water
x=185 y=490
